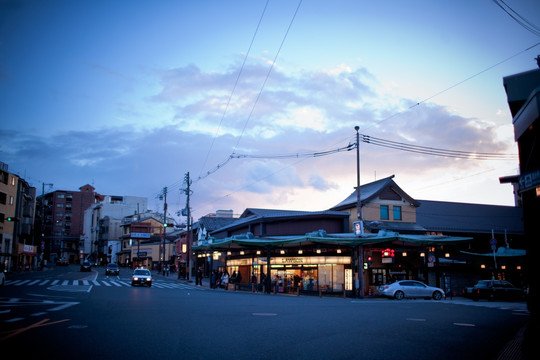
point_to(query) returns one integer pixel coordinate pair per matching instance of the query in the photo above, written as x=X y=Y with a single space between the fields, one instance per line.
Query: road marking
x=464 y=324
x=264 y=314
x=414 y=319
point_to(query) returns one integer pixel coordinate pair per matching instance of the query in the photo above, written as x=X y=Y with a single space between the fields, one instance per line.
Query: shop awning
x=501 y=252
x=320 y=237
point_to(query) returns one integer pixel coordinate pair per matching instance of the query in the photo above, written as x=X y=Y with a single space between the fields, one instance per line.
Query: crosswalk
x=108 y=282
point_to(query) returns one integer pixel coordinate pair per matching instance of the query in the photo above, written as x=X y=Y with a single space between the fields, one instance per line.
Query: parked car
x=86 y=266
x=62 y=261
x=112 y=269
x=141 y=277
x=410 y=289
x=494 y=290
x=2 y=278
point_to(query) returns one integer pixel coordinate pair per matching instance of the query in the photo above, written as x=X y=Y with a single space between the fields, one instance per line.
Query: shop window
x=397 y=212
x=384 y=212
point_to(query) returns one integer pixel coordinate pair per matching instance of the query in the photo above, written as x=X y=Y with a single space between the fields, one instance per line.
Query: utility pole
x=187 y=213
x=360 y=261
x=43 y=222
x=163 y=235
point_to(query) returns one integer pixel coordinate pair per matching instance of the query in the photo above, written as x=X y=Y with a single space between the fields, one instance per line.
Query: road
x=64 y=314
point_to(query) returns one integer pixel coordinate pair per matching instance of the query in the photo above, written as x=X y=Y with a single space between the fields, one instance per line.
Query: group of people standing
x=222 y=279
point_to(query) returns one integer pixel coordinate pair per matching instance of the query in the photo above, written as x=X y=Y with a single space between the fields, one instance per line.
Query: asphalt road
x=90 y=316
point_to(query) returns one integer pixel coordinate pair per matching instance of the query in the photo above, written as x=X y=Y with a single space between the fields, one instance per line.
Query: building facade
x=19 y=247
x=62 y=214
x=101 y=239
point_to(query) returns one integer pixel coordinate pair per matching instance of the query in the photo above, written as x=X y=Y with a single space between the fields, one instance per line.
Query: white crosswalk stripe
x=108 y=282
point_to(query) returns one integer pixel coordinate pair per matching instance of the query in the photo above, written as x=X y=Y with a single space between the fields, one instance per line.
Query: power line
x=436 y=151
x=452 y=86
x=235 y=85
x=267 y=75
x=529 y=26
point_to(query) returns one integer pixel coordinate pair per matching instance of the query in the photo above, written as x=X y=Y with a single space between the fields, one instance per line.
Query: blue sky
x=131 y=95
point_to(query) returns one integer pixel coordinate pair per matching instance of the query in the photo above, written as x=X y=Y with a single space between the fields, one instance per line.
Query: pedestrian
x=167 y=270
x=199 y=276
x=225 y=279
x=213 y=279
x=254 y=283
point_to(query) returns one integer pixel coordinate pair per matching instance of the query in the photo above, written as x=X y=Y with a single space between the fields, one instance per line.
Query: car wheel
x=132 y=284
x=399 y=295
x=475 y=299
x=437 y=295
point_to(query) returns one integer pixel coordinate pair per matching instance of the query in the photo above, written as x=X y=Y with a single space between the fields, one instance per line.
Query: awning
x=501 y=252
x=320 y=237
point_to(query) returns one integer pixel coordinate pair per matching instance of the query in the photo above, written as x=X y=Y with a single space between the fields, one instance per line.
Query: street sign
x=136 y=235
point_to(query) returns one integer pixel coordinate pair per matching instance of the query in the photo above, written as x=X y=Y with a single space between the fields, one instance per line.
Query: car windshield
x=482 y=284
x=141 y=272
x=113 y=266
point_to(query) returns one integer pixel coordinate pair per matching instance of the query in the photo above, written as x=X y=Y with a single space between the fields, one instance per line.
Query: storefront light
x=422 y=254
x=229 y=252
x=518 y=267
x=447 y=255
x=503 y=267
x=404 y=253
x=300 y=252
x=482 y=266
x=258 y=252
x=242 y=252
x=339 y=251
x=318 y=251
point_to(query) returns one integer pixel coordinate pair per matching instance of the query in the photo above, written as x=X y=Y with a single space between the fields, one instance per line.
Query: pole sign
x=493 y=244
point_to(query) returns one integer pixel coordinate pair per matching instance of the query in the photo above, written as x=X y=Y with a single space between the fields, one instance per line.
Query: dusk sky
x=129 y=96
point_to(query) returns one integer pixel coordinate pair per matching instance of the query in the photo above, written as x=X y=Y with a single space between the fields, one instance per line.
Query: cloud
x=297 y=113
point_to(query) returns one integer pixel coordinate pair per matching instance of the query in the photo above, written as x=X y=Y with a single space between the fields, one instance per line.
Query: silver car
x=411 y=289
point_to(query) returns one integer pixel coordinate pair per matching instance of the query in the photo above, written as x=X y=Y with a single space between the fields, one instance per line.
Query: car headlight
x=135 y=278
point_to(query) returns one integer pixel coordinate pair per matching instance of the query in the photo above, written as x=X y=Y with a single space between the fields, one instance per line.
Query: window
x=3 y=198
x=397 y=212
x=11 y=200
x=384 y=212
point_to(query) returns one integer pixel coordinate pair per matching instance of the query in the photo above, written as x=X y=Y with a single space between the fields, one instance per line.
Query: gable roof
x=256 y=215
x=211 y=223
x=371 y=191
x=469 y=218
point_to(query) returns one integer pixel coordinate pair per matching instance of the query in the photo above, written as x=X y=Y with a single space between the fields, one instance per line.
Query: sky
x=252 y=97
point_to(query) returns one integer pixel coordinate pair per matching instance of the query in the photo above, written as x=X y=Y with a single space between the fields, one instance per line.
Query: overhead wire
x=235 y=85
x=526 y=24
x=436 y=151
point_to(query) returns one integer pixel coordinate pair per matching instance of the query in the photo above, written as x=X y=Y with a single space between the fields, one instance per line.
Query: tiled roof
x=372 y=190
x=470 y=218
x=253 y=214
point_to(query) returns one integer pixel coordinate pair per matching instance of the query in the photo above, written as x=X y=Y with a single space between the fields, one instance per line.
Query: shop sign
x=387 y=260
x=28 y=249
x=529 y=181
x=348 y=279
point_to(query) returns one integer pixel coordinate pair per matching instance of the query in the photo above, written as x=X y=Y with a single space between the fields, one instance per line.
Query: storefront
x=339 y=263
x=298 y=273
x=27 y=259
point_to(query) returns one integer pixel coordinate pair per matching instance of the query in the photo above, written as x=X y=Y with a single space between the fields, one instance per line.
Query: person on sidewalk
x=199 y=276
x=225 y=279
